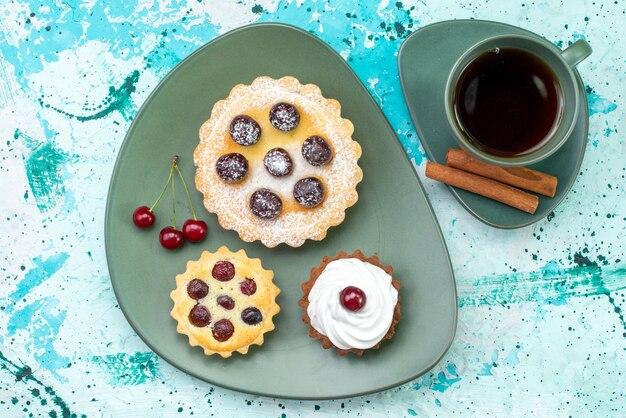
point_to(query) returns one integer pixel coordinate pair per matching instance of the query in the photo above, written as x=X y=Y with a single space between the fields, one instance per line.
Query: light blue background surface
x=541 y=322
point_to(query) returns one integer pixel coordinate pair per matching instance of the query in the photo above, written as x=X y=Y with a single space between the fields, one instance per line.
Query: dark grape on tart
x=277 y=163
x=225 y=302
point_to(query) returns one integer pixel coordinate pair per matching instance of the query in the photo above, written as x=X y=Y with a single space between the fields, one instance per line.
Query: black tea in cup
x=508 y=102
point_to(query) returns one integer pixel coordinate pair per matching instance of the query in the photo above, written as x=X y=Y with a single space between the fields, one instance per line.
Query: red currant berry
x=352 y=298
x=194 y=230
x=171 y=238
x=248 y=287
x=223 y=271
x=143 y=217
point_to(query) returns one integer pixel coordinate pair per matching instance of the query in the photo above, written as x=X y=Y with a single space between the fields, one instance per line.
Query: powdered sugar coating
x=244 y=130
x=309 y=192
x=316 y=151
x=232 y=167
x=284 y=116
x=265 y=204
x=278 y=162
x=319 y=116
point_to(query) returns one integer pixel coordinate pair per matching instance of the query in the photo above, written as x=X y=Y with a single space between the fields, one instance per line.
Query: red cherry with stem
x=194 y=230
x=171 y=238
x=143 y=217
x=352 y=298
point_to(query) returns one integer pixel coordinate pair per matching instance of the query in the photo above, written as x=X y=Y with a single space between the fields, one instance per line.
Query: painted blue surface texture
x=541 y=322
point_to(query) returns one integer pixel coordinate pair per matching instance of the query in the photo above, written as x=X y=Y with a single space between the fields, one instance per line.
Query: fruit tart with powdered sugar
x=277 y=163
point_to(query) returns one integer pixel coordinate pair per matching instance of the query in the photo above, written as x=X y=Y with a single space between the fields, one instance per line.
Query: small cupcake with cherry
x=351 y=303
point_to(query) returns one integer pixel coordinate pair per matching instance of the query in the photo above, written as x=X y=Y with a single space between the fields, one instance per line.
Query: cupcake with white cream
x=351 y=303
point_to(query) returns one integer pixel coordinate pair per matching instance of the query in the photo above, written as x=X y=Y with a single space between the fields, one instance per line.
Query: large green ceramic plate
x=392 y=219
x=424 y=62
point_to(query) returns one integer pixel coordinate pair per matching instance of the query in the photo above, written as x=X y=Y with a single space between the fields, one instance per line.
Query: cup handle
x=576 y=52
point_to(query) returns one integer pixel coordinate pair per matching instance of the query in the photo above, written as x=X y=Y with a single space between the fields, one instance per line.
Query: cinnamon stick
x=522 y=177
x=483 y=186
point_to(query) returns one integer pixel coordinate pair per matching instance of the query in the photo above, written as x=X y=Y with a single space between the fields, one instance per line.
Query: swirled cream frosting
x=347 y=329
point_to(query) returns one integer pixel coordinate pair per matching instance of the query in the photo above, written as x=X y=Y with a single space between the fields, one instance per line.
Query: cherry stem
x=173 y=195
x=182 y=179
x=164 y=189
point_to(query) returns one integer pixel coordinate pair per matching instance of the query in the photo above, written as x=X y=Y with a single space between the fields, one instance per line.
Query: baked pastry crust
x=318 y=116
x=308 y=285
x=244 y=335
